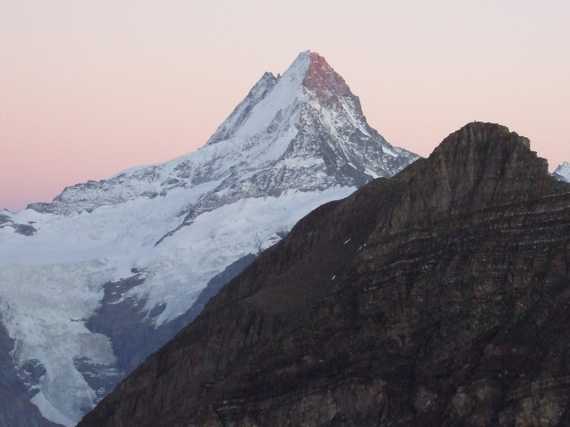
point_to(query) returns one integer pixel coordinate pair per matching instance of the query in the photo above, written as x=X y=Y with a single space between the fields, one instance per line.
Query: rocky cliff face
x=439 y=297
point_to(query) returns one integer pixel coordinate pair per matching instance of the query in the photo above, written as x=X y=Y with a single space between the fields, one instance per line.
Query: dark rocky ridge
x=439 y=297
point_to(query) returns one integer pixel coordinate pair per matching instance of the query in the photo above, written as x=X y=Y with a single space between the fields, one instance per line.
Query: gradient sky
x=88 y=88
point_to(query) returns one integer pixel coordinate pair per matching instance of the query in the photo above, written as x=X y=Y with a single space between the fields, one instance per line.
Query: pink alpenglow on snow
x=92 y=88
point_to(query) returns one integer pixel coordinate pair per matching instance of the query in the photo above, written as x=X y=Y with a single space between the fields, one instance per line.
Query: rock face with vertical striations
x=438 y=297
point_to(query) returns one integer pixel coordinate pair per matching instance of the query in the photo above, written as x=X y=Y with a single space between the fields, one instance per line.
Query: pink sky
x=90 y=88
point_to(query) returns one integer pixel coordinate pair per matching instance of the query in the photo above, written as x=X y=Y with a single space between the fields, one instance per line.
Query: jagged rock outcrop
x=439 y=297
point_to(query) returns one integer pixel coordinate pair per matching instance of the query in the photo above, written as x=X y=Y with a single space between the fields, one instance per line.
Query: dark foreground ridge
x=439 y=297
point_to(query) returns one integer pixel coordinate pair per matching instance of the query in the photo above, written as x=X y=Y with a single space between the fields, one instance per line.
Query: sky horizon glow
x=92 y=88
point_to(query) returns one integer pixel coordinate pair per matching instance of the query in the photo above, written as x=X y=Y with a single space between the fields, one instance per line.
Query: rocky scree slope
x=438 y=297
x=93 y=282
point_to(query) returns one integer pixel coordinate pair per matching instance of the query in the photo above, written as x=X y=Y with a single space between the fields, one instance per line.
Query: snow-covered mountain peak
x=106 y=273
x=278 y=103
x=295 y=122
x=308 y=78
x=323 y=80
x=563 y=171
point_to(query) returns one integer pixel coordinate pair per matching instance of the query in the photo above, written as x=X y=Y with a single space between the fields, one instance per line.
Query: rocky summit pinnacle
x=323 y=80
x=105 y=274
x=482 y=163
x=437 y=297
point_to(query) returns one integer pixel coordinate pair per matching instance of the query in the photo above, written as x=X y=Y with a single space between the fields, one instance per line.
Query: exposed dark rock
x=440 y=297
x=42 y=207
x=131 y=329
x=101 y=378
x=16 y=410
x=124 y=320
x=31 y=373
x=24 y=229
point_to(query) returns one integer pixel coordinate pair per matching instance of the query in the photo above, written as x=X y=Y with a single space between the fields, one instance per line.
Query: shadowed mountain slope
x=439 y=297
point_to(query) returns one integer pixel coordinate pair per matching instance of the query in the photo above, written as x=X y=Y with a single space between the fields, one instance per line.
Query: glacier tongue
x=106 y=273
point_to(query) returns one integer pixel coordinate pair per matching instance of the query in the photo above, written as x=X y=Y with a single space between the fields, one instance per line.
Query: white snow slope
x=563 y=171
x=294 y=143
